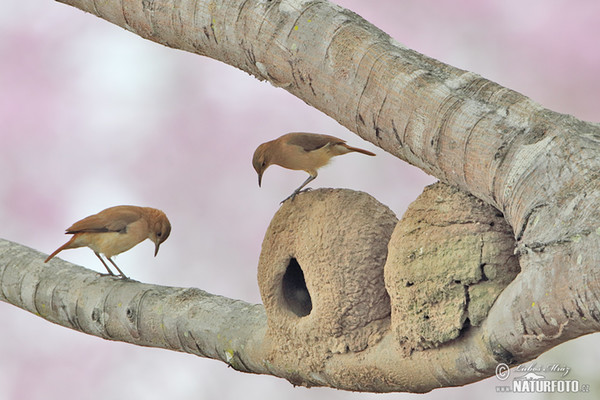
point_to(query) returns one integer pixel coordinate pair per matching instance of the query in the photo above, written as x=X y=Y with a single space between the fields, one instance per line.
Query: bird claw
x=293 y=195
x=287 y=198
x=114 y=275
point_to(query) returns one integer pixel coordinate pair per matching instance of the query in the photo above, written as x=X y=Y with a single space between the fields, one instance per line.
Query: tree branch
x=187 y=320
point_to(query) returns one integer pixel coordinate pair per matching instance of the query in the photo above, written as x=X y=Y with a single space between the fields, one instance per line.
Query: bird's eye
x=264 y=163
x=159 y=234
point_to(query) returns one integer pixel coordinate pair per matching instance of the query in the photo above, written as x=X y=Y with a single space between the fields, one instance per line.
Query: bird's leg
x=105 y=266
x=115 y=265
x=299 y=190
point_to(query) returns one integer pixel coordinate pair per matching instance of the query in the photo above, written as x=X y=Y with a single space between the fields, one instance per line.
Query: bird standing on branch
x=300 y=151
x=117 y=229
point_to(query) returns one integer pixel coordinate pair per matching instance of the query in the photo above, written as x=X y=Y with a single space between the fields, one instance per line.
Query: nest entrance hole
x=294 y=288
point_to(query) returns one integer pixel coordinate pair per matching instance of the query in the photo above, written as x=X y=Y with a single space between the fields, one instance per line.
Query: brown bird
x=117 y=229
x=300 y=151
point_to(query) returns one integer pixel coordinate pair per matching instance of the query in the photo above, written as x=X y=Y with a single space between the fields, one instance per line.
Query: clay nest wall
x=449 y=258
x=321 y=274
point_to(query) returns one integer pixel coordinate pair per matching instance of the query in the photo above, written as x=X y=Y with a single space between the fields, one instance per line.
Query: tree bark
x=538 y=167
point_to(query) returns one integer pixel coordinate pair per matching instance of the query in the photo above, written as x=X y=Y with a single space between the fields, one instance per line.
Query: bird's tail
x=61 y=248
x=367 y=152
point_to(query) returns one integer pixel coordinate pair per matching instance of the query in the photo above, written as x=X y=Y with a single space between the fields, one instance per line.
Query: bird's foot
x=293 y=195
x=113 y=275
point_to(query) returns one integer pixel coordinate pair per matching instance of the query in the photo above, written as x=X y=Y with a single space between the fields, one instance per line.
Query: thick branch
x=187 y=320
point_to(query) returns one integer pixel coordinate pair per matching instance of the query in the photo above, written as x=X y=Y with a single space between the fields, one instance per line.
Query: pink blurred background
x=93 y=116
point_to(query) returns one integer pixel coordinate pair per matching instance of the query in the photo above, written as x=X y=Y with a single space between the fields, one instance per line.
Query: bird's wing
x=311 y=141
x=114 y=219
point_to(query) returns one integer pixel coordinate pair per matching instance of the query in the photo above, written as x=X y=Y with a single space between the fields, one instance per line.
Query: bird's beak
x=156 y=246
x=259 y=178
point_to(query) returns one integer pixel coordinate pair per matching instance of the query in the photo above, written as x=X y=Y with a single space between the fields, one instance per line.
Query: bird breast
x=113 y=243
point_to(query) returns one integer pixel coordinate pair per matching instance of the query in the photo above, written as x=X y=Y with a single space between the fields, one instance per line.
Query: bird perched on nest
x=300 y=151
x=117 y=229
